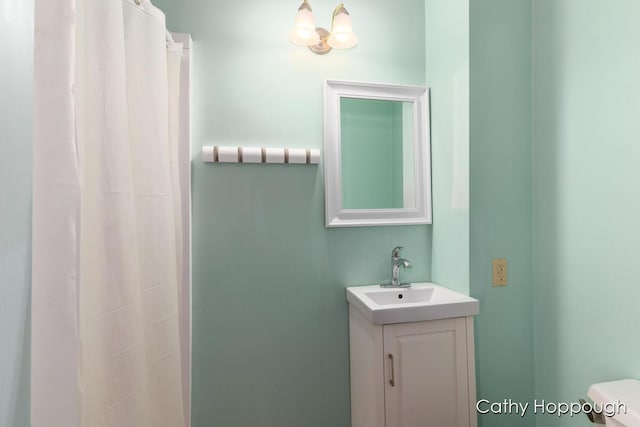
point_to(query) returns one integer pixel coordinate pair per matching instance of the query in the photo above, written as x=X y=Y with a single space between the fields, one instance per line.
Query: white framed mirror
x=377 y=167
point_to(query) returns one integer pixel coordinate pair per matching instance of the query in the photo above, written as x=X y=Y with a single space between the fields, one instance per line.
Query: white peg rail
x=298 y=156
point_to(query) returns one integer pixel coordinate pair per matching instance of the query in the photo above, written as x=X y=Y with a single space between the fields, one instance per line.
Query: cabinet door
x=426 y=378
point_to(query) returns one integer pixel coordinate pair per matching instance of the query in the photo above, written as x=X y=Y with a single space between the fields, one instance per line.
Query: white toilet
x=620 y=401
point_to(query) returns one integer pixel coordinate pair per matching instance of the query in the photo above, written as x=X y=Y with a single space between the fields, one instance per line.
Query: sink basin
x=422 y=301
x=397 y=296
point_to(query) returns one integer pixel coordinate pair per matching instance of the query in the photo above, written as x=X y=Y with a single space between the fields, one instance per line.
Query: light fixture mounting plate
x=321 y=48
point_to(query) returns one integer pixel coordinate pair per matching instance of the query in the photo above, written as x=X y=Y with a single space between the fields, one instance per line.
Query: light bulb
x=342 y=36
x=304 y=28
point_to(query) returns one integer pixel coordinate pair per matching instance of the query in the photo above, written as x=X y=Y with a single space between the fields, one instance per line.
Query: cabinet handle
x=392 y=381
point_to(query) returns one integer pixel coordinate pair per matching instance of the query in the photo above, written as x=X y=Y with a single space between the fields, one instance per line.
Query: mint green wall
x=16 y=71
x=270 y=337
x=447 y=74
x=587 y=181
x=371 y=135
x=501 y=201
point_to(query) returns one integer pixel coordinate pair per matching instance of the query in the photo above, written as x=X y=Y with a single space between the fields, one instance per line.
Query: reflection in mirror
x=376 y=158
x=377 y=154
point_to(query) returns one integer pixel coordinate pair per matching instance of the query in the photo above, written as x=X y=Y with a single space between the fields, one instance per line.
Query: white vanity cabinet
x=417 y=374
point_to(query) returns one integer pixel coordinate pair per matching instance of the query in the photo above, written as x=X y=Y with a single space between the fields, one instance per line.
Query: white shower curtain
x=105 y=292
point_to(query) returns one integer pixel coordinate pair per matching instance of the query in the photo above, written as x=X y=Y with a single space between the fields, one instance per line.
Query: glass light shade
x=342 y=36
x=304 y=29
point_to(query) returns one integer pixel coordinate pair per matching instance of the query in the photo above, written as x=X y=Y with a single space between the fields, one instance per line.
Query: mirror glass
x=377 y=169
x=377 y=153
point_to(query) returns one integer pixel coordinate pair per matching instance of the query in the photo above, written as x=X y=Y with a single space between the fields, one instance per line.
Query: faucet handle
x=395 y=253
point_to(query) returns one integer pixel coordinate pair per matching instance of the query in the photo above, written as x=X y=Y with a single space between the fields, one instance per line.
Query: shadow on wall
x=547 y=114
x=21 y=415
x=16 y=92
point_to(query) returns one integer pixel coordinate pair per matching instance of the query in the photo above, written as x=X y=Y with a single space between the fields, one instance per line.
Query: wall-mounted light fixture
x=319 y=40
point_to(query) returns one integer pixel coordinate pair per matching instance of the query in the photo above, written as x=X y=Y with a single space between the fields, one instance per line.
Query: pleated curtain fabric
x=105 y=284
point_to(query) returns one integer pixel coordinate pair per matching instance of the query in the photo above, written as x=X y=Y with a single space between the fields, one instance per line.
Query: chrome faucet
x=396 y=263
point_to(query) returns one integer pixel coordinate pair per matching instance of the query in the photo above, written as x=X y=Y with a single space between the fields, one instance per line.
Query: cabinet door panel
x=429 y=372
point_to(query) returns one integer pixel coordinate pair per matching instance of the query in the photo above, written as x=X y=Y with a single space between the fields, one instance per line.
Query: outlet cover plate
x=500 y=277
